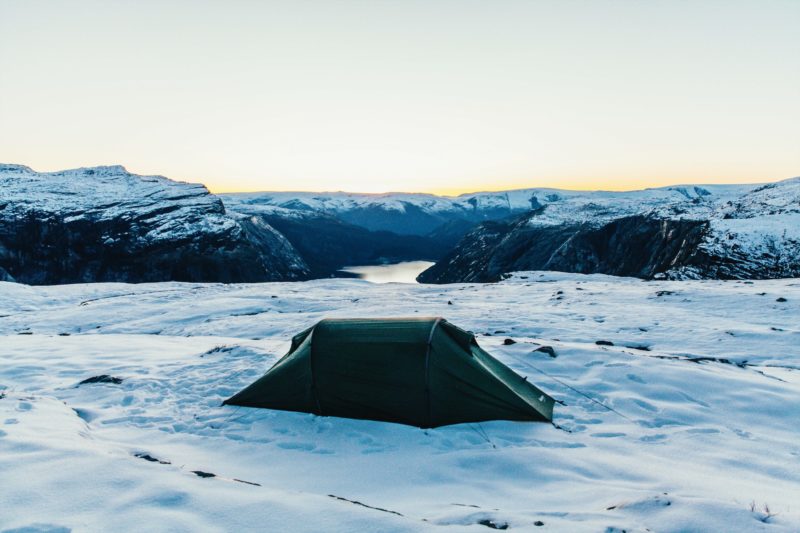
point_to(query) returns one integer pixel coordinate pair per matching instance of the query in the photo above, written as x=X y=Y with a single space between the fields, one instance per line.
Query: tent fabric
x=422 y=372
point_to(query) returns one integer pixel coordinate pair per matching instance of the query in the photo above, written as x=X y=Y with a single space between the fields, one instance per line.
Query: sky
x=431 y=95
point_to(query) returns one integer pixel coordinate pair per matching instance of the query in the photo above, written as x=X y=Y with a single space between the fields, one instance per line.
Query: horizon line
x=444 y=192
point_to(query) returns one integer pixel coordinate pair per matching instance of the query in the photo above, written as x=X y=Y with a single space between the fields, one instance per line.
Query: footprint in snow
x=39 y=528
x=653 y=438
x=303 y=446
x=701 y=431
x=609 y=435
x=24 y=406
x=645 y=405
x=742 y=433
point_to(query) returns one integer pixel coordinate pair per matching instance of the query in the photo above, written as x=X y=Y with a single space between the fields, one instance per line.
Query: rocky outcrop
x=630 y=246
x=106 y=224
x=674 y=233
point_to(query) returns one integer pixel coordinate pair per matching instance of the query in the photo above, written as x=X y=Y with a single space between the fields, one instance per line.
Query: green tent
x=423 y=372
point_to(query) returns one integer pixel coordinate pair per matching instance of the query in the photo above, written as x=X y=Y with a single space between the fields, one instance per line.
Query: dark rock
x=200 y=473
x=150 y=458
x=548 y=350
x=604 y=343
x=508 y=342
x=103 y=378
x=247 y=482
x=492 y=525
x=641 y=347
x=781 y=299
x=538 y=523
x=630 y=246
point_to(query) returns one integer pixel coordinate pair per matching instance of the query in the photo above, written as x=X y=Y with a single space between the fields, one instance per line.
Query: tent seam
x=428 y=372
x=314 y=394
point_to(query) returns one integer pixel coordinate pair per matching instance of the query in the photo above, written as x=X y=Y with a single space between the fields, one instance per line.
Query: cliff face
x=106 y=224
x=726 y=234
x=630 y=246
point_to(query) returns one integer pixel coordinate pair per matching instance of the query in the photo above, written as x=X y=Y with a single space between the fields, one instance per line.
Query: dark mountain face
x=51 y=250
x=411 y=221
x=631 y=246
x=327 y=244
x=714 y=232
x=132 y=229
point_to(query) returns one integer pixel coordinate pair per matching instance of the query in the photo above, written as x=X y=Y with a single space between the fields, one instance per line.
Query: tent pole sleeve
x=428 y=372
x=313 y=374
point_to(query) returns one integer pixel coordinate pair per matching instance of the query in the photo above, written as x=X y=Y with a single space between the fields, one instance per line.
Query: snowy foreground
x=703 y=379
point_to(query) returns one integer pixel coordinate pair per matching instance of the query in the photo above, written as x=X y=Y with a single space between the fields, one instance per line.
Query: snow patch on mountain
x=171 y=209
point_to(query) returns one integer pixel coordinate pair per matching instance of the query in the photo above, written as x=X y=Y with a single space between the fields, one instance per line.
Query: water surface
x=405 y=272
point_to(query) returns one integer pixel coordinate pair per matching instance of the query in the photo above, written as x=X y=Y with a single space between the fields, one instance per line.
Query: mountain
x=400 y=213
x=683 y=232
x=328 y=244
x=106 y=224
x=334 y=230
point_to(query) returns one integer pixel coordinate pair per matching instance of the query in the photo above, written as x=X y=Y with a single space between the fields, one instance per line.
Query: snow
x=334 y=202
x=562 y=204
x=173 y=209
x=700 y=397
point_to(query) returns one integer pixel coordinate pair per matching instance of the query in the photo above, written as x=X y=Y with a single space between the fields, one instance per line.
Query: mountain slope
x=106 y=224
x=328 y=244
x=708 y=232
x=401 y=213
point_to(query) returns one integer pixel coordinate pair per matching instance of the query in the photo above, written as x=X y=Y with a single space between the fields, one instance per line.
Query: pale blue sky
x=407 y=95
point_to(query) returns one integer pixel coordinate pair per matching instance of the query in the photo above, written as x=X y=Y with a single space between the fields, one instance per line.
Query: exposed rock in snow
x=106 y=224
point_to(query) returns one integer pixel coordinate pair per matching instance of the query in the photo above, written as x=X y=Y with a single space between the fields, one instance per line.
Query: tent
x=422 y=372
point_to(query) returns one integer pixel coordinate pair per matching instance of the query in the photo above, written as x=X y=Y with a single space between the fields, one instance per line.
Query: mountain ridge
x=107 y=224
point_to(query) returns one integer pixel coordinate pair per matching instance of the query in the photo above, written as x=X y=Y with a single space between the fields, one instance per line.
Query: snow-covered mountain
x=710 y=231
x=423 y=213
x=402 y=213
x=106 y=224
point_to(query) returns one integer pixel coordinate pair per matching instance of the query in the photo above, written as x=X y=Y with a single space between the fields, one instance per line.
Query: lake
x=405 y=272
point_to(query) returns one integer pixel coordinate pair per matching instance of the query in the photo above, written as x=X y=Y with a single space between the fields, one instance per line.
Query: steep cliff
x=719 y=232
x=106 y=224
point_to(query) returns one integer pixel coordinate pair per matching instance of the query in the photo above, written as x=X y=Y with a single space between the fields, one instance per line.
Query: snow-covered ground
x=689 y=422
